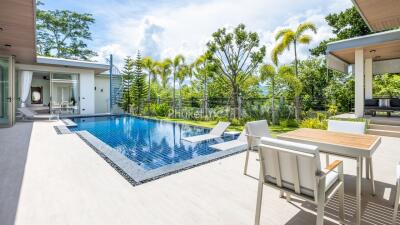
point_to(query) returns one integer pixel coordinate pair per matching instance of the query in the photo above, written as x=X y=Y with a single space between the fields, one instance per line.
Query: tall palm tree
x=203 y=67
x=181 y=75
x=151 y=68
x=286 y=38
x=163 y=69
x=272 y=74
x=177 y=64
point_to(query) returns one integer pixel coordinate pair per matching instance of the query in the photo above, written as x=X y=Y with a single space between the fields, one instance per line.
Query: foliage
x=289 y=123
x=160 y=109
x=286 y=38
x=237 y=55
x=283 y=74
x=386 y=85
x=127 y=79
x=62 y=33
x=312 y=73
x=139 y=88
x=346 y=24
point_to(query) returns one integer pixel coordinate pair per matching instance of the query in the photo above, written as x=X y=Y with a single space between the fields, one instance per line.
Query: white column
x=359 y=83
x=368 y=78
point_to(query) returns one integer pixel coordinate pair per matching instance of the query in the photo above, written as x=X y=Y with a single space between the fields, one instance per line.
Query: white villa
x=41 y=84
x=368 y=55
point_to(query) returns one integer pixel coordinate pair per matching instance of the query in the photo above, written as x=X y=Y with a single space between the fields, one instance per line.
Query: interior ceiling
x=384 y=51
x=17 y=30
x=380 y=14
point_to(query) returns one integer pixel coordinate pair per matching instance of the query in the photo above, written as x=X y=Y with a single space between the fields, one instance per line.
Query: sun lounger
x=240 y=142
x=216 y=132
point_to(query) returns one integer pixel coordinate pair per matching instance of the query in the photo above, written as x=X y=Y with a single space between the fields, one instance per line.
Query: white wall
x=86 y=82
x=102 y=94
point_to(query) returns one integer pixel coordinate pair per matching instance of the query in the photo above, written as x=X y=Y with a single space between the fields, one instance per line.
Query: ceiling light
x=372 y=51
x=7 y=45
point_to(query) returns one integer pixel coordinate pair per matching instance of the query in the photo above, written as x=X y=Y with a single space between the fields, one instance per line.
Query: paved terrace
x=47 y=178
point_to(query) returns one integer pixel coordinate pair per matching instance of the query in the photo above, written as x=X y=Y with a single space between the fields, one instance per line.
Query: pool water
x=149 y=143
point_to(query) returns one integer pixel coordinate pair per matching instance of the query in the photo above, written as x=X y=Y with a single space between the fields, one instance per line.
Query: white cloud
x=169 y=29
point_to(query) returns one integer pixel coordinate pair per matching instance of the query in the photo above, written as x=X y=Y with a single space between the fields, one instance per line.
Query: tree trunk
x=273 y=102
x=173 y=103
x=296 y=98
x=235 y=101
x=148 y=97
x=205 y=103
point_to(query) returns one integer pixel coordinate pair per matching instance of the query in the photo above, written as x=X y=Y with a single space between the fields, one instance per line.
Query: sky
x=161 y=28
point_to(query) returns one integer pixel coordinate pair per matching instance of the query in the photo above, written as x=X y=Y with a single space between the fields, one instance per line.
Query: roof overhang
x=379 y=14
x=49 y=61
x=379 y=46
x=17 y=30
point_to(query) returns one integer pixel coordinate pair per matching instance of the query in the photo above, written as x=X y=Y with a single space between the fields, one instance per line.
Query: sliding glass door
x=7 y=111
x=64 y=93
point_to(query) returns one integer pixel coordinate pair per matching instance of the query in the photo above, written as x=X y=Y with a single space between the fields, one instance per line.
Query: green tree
x=63 y=33
x=186 y=71
x=346 y=24
x=151 y=67
x=138 y=88
x=177 y=64
x=204 y=68
x=273 y=75
x=164 y=71
x=386 y=85
x=237 y=55
x=312 y=73
x=288 y=37
x=127 y=79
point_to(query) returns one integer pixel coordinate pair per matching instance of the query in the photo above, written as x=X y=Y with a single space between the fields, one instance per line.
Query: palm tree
x=184 y=72
x=177 y=64
x=203 y=67
x=272 y=74
x=163 y=69
x=286 y=38
x=151 y=68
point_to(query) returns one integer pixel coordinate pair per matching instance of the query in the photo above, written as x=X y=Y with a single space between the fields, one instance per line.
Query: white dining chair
x=255 y=131
x=353 y=127
x=295 y=169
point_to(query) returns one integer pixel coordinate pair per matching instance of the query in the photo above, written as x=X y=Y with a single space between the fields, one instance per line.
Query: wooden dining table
x=355 y=146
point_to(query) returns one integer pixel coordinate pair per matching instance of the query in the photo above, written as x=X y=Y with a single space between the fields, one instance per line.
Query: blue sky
x=162 y=28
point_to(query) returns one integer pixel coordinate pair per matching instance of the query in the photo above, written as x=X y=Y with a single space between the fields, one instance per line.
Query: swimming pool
x=150 y=144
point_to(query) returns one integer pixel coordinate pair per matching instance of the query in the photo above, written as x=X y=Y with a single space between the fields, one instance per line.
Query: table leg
x=358 y=190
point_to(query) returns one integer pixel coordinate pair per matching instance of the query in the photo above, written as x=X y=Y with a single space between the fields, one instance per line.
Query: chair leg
x=259 y=201
x=247 y=161
x=341 y=204
x=367 y=168
x=371 y=172
x=396 y=203
x=327 y=159
x=320 y=213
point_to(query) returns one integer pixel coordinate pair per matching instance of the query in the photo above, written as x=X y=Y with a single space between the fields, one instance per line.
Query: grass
x=275 y=130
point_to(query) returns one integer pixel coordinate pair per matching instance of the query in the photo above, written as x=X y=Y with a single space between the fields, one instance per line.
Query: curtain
x=25 y=85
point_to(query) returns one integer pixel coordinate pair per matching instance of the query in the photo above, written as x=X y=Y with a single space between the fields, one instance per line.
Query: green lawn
x=275 y=130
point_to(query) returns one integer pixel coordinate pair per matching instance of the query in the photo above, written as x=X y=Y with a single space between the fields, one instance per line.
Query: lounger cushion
x=371 y=103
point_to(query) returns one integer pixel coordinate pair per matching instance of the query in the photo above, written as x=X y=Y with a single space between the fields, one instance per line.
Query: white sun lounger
x=30 y=114
x=240 y=142
x=216 y=132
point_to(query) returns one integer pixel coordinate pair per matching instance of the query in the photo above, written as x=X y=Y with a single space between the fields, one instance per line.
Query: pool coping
x=132 y=171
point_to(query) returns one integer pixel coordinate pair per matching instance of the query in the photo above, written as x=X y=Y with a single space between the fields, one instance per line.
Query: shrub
x=314 y=123
x=289 y=123
x=160 y=109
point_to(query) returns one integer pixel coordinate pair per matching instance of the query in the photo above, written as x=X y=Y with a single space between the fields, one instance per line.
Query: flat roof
x=379 y=46
x=379 y=15
x=98 y=67
x=18 y=30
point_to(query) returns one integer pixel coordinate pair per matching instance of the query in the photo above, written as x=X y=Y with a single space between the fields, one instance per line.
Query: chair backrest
x=242 y=137
x=220 y=128
x=258 y=129
x=290 y=165
x=346 y=126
